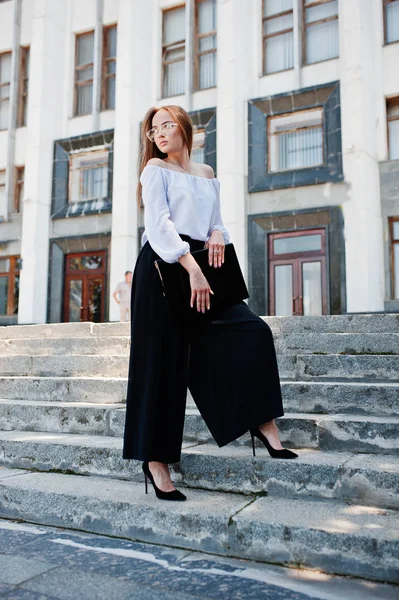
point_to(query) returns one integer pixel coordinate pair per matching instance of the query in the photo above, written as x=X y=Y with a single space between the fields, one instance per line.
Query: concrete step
x=85 y=418
x=366 y=479
x=341 y=433
x=330 y=536
x=300 y=367
x=336 y=366
x=64 y=366
x=104 y=390
x=337 y=343
x=349 y=397
x=296 y=343
x=108 y=346
x=354 y=323
x=327 y=432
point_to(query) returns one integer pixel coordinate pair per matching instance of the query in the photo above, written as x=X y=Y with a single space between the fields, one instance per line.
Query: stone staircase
x=335 y=508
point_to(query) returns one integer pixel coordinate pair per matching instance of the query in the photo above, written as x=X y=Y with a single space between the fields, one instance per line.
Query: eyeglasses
x=165 y=128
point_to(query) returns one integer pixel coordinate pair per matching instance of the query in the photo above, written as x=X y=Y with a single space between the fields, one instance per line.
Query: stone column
x=44 y=111
x=362 y=212
x=133 y=99
x=234 y=20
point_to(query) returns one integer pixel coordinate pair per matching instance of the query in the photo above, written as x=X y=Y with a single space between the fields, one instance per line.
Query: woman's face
x=168 y=140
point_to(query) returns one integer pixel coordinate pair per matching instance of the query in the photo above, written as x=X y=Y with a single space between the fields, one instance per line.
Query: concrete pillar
x=133 y=99
x=233 y=90
x=44 y=111
x=362 y=212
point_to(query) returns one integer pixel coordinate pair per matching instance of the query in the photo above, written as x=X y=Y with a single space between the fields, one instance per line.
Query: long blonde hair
x=150 y=149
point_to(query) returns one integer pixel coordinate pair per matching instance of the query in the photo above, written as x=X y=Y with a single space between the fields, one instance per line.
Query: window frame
x=11 y=274
x=269 y=134
x=167 y=47
x=78 y=83
x=105 y=76
x=76 y=172
x=385 y=3
x=198 y=53
x=3 y=85
x=394 y=102
x=305 y=26
x=392 y=243
x=19 y=182
x=23 y=86
x=267 y=36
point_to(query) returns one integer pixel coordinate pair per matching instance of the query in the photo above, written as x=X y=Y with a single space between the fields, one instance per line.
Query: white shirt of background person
x=123 y=290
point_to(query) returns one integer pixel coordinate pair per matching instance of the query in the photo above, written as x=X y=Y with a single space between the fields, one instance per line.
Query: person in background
x=123 y=289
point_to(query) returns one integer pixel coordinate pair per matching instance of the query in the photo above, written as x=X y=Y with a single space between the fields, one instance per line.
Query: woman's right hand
x=200 y=290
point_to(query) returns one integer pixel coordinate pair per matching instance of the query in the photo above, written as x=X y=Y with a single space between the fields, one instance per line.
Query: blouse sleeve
x=160 y=230
x=217 y=222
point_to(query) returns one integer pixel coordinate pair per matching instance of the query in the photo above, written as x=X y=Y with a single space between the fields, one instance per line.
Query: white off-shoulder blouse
x=178 y=203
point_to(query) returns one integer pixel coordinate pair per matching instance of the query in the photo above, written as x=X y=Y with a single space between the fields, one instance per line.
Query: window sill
x=317 y=62
x=390 y=43
x=275 y=72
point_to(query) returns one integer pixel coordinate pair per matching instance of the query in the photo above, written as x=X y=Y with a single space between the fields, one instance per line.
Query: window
x=205 y=44
x=296 y=140
x=109 y=68
x=5 y=76
x=198 y=150
x=19 y=188
x=278 y=35
x=84 y=57
x=88 y=177
x=173 y=51
x=393 y=128
x=320 y=30
x=394 y=238
x=391 y=21
x=2 y=188
x=23 y=87
x=9 y=285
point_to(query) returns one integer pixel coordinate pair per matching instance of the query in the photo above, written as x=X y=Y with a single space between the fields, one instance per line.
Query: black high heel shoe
x=272 y=451
x=175 y=495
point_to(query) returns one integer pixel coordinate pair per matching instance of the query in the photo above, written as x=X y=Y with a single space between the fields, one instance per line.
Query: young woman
x=228 y=363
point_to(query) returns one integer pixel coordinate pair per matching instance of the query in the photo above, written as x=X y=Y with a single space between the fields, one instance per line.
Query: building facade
x=295 y=105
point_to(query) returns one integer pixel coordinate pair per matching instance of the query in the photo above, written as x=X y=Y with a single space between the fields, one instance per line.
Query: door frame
x=85 y=275
x=296 y=259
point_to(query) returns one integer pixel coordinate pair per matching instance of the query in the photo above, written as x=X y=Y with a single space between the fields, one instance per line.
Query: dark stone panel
x=260 y=226
x=60 y=207
x=59 y=247
x=260 y=109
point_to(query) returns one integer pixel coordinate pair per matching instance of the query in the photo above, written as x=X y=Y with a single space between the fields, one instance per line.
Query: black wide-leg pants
x=228 y=363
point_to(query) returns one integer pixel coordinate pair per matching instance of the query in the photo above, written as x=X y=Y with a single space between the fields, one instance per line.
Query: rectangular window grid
x=278 y=35
x=393 y=128
x=205 y=44
x=173 y=51
x=84 y=67
x=19 y=188
x=295 y=140
x=320 y=30
x=391 y=21
x=23 y=87
x=5 y=77
x=109 y=68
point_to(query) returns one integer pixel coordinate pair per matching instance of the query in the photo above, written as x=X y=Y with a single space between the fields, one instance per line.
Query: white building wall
x=366 y=68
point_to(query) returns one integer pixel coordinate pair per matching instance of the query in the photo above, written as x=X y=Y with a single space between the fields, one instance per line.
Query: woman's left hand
x=216 y=245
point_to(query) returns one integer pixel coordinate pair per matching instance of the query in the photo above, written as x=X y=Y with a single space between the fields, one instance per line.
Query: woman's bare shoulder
x=204 y=171
x=155 y=162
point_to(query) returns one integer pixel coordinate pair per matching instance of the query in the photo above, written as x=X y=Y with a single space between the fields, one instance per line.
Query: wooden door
x=84 y=296
x=297 y=273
